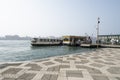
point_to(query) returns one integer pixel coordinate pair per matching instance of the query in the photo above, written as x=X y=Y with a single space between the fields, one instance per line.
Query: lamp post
x=98 y=21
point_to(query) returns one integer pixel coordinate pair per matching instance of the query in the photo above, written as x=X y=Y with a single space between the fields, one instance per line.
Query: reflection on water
x=20 y=50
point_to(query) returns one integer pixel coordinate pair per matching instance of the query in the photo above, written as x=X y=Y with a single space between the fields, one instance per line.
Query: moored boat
x=45 y=42
x=74 y=40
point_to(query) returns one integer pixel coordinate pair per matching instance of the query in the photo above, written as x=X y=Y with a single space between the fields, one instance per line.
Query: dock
x=90 y=45
x=110 y=46
x=99 y=45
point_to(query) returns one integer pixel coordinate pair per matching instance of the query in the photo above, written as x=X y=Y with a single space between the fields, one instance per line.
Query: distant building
x=14 y=37
x=109 y=39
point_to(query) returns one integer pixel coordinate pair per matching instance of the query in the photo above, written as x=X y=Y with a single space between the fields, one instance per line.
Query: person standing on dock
x=89 y=40
x=112 y=41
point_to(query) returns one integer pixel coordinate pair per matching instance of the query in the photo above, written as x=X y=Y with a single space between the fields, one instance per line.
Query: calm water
x=21 y=50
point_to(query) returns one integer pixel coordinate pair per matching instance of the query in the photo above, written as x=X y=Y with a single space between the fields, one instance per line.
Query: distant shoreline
x=15 y=39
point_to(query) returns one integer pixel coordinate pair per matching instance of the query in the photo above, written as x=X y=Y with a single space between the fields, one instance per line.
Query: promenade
x=100 y=64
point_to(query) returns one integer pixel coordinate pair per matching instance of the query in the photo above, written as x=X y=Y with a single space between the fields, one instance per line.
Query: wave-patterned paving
x=100 y=64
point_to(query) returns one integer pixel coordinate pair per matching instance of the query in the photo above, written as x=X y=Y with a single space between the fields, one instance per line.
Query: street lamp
x=98 y=21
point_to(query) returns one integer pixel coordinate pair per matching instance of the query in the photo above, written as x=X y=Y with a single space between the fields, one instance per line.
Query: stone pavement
x=101 y=64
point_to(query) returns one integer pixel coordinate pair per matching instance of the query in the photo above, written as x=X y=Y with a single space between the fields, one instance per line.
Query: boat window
x=58 y=40
x=47 y=40
x=35 y=39
x=44 y=40
x=41 y=40
x=66 y=39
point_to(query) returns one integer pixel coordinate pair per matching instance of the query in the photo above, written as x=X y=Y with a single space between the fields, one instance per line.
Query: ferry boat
x=75 y=40
x=45 y=42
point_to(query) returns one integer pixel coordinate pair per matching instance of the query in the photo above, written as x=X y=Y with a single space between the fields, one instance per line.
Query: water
x=21 y=50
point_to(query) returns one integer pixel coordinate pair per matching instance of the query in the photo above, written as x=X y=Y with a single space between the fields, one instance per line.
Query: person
x=112 y=41
x=79 y=42
x=99 y=41
x=117 y=41
x=89 y=40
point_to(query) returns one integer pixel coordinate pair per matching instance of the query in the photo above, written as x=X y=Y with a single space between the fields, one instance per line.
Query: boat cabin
x=74 y=40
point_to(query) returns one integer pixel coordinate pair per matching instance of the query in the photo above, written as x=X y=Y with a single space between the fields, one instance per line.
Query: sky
x=59 y=17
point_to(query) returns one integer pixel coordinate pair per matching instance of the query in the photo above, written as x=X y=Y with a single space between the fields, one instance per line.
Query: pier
x=90 y=45
x=99 y=46
x=110 y=46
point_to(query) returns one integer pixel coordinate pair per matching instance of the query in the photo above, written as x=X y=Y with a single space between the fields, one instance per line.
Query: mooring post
x=98 y=21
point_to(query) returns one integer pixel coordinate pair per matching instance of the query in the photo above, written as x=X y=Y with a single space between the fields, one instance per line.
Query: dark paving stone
x=57 y=68
x=60 y=57
x=109 y=63
x=97 y=65
x=58 y=60
x=100 y=78
x=9 y=64
x=80 y=57
x=12 y=71
x=42 y=60
x=90 y=70
x=66 y=56
x=49 y=77
x=75 y=56
x=26 y=76
x=86 y=55
x=107 y=55
x=77 y=62
x=118 y=78
x=34 y=67
x=114 y=70
x=74 y=73
x=96 y=57
x=46 y=77
x=118 y=58
x=103 y=62
x=9 y=79
x=84 y=61
x=65 y=62
x=71 y=59
x=3 y=66
x=107 y=59
x=61 y=61
x=53 y=77
x=64 y=66
x=48 y=63
x=99 y=61
x=94 y=71
x=13 y=64
x=81 y=62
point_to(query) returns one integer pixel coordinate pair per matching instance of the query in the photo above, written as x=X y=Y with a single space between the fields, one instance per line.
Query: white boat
x=45 y=42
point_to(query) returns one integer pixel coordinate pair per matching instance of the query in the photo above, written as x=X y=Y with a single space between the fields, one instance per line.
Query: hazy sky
x=58 y=17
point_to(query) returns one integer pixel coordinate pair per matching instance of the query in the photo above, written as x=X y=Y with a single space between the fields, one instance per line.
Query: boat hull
x=46 y=44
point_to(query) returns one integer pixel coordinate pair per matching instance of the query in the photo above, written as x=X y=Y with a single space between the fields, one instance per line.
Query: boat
x=74 y=40
x=45 y=42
